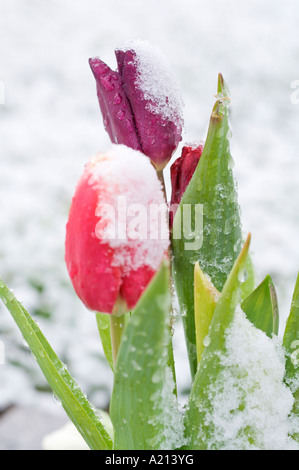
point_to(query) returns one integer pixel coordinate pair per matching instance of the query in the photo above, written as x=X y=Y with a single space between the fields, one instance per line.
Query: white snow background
x=50 y=124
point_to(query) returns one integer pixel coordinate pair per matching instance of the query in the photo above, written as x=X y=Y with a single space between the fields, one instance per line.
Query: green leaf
x=63 y=385
x=205 y=301
x=248 y=286
x=261 y=307
x=291 y=346
x=215 y=219
x=143 y=406
x=103 y=322
x=198 y=429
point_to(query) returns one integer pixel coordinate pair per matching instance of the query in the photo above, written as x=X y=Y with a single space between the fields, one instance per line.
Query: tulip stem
x=117 y=324
x=171 y=363
x=160 y=175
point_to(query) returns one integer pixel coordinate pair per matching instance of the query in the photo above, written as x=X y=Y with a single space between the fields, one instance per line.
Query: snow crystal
x=155 y=78
x=170 y=415
x=250 y=403
x=131 y=207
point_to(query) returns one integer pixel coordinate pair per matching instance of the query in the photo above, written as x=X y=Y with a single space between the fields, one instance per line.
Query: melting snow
x=156 y=79
x=132 y=208
x=251 y=404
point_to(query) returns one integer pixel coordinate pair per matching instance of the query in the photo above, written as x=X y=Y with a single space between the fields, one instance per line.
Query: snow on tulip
x=117 y=230
x=140 y=102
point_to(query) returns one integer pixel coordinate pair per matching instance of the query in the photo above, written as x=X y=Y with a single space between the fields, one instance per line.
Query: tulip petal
x=159 y=134
x=181 y=172
x=117 y=233
x=116 y=110
x=88 y=260
x=134 y=284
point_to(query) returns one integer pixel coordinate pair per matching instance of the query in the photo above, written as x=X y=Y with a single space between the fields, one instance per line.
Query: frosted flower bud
x=181 y=172
x=140 y=102
x=117 y=232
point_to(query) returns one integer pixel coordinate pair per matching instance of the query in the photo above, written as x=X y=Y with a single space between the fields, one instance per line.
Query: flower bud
x=181 y=172
x=140 y=103
x=115 y=107
x=117 y=232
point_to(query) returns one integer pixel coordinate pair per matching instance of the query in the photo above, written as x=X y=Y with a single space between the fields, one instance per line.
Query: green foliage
x=103 y=322
x=212 y=197
x=261 y=307
x=63 y=385
x=197 y=432
x=205 y=300
x=291 y=346
x=143 y=385
x=213 y=276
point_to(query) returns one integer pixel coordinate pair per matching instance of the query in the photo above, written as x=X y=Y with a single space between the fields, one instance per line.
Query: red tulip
x=181 y=172
x=140 y=103
x=109 y=262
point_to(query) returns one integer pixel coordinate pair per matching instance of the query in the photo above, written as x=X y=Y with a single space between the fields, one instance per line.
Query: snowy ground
x=50 y=124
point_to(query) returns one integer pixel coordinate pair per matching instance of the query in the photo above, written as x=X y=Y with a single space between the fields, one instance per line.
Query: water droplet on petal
x=120 y=115
x=130 y=127
x=73 y=269
x=117 y=98
x=106 y=82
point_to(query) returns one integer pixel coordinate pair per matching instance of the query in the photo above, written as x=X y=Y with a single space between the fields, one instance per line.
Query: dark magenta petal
x=181 y=172
x=159 y=134
x=115 y=107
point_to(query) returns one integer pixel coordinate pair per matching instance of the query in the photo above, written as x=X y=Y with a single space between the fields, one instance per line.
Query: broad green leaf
x=209 y=209
x=205 y=301
x=198 y=430
x=291 y=345
x=63 y=385
x=143 y=406
x=261 y=307
x=103 y=322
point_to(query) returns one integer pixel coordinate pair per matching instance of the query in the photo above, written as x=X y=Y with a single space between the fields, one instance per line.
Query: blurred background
x=50 y=124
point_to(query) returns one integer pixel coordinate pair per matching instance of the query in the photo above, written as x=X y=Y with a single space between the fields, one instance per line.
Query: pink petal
x=88 y=261
x=134 y=285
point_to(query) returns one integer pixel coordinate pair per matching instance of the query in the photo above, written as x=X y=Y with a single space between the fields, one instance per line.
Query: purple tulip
x=140 y=102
